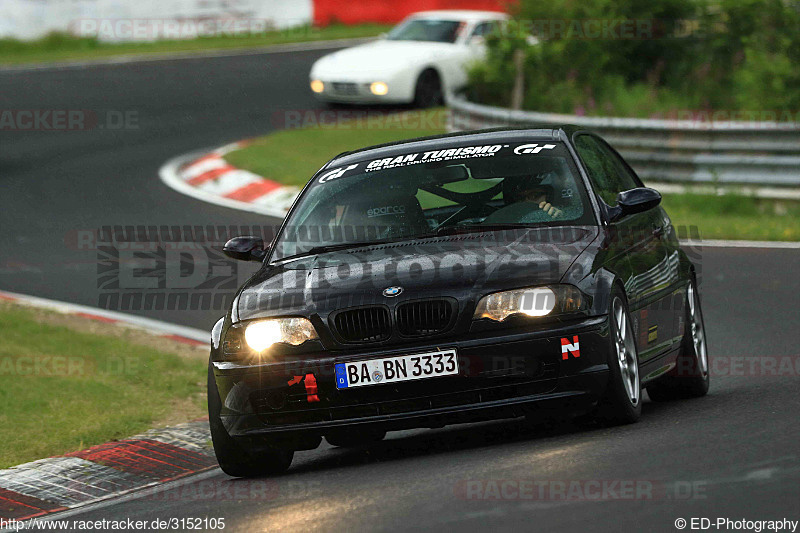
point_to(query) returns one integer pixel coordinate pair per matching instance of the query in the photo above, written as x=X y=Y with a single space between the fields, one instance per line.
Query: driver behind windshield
x=529 y=199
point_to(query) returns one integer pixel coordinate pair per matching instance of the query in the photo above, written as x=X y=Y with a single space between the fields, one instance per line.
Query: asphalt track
x=732 y=454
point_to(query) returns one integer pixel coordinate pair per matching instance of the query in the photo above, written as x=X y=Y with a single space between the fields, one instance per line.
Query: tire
x=428 y=91
x=691 y=378
x=354 y=439
x=622 y=402
x=234 y=459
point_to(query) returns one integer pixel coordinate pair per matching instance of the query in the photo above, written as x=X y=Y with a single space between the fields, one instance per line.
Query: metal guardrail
x=738 y=153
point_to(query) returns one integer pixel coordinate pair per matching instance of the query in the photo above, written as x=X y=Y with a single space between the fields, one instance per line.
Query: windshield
x=422 y=194
x=440 y=31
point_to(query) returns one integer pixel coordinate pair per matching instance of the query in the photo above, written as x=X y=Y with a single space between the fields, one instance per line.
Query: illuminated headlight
x=378 y=88
x=532 y=302
x=317 y=86
x=262 y=334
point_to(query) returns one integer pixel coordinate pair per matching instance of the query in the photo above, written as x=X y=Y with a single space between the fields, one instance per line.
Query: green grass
x=733 y=216
x=292 y=156
x=93 y=389
x=63 y=47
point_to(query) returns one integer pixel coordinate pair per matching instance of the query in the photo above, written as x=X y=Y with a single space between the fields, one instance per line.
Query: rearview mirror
x=245 y=248
x=635 y=201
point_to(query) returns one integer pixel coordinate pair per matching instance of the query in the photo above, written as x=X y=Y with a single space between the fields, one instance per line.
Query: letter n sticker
x=568 y=347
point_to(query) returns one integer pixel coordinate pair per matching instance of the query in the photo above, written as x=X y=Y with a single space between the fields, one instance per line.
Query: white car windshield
x=457 y=189
x=440 y=31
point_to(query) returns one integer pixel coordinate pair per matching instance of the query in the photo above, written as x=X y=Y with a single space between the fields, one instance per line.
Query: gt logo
x=532 y=148
x=570 y=348
x=333 y=174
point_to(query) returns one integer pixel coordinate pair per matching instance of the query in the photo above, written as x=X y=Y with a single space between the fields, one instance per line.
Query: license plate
x=396 y=369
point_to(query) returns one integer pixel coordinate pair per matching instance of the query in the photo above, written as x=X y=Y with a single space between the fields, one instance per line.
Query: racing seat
x=388 y=217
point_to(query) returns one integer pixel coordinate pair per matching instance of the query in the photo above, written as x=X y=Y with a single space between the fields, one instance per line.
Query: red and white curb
x=104 y=471
x=210 y=178
x=112 y=469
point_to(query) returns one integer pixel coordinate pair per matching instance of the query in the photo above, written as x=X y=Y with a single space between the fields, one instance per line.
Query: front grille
x=365 y=324
x=344 y=88
x=427 y=317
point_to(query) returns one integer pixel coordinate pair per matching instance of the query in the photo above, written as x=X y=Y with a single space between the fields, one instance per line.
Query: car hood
x=378 y=57
x=464 y=267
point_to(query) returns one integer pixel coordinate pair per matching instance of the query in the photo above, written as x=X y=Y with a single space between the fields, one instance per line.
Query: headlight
x=317 y=86
x=378 y=88
x=262 y=334
x=533 y=302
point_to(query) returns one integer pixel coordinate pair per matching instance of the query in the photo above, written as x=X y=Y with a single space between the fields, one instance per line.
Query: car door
x=645 y=269
x=468 y=48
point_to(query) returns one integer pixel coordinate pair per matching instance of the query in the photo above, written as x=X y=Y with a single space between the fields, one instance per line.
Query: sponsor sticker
x=570 y=347
x=534 y=148
x=335 y=173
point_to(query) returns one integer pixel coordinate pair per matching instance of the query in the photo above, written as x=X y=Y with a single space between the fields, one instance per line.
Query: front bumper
x=500 y=377
x=358 y=92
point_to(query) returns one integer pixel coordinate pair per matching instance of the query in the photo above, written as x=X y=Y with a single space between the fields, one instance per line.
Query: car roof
x=461 y=14
x=437 y=142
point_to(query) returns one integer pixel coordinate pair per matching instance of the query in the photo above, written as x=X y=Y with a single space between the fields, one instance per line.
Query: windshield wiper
x=476 y=228
x=325 y=248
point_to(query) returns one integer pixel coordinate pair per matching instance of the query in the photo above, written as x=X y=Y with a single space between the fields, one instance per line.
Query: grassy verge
x=733 y=216
x=63 y=47
x=63 y=389
x=292 y=156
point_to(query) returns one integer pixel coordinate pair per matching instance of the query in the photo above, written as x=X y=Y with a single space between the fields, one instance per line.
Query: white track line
x=713 y=243
x=147 y=324
x=179 y=56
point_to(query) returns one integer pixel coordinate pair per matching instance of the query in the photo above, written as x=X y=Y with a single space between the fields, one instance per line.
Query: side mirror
x=245 y=249
x=477 y=40
x=635 y=201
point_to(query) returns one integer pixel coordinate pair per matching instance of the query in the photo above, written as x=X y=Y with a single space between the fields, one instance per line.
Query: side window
x=608 y=173
x=483 y=29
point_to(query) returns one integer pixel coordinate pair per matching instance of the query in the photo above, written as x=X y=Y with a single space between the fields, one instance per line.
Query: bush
x=647 y=58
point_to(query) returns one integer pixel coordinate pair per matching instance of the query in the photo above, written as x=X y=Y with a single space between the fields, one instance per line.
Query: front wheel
x=622 y=402
x=234 y=459
x=428 y=91
x=690 y=378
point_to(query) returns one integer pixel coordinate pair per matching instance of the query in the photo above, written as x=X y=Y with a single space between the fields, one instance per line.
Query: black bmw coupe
x=458 y=278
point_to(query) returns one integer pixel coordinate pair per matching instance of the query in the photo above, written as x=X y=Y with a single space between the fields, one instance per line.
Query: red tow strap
x=311 y=386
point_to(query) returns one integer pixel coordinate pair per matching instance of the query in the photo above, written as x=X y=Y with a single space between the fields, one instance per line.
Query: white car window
x=484 y=28
x=442 y=31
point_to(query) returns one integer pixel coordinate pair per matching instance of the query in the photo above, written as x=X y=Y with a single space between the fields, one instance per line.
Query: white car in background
x=420 y=61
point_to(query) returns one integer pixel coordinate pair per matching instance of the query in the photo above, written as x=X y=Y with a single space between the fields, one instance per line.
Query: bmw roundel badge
x=391 y=292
